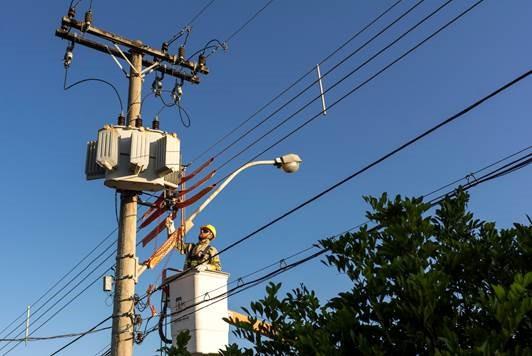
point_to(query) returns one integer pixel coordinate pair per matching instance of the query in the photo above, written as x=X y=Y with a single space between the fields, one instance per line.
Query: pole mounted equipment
x=86 y=27
x=128 y=156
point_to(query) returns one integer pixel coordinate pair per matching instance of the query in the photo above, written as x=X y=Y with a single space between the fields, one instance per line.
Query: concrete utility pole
x=116 y=169
x=126 y=264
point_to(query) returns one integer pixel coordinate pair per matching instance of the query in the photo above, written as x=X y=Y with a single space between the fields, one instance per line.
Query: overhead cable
x=54 y=337
x=203 y=153
x=63 y=306
x=350 y=92
x=59 y=281
x=65 y=87
x=70 y=291
x=43 y=313
x=335 y=67
x=499 y=172
x=473 y=174
x=238 y=30
x=187 y=27
x=80 y=336
x=376 y=162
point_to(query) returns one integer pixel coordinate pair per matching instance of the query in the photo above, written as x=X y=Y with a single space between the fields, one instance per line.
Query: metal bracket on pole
x=140 y=269
x=149 y=69
x=324 y=108
x=117 y=62
x=137 y=271
x=127 y=59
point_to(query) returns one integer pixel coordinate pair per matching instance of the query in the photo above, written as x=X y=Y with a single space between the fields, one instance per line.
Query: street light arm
x=189 y=222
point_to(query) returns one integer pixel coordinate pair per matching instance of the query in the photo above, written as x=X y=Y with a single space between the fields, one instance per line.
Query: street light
x=289 y=163
x=200 y=284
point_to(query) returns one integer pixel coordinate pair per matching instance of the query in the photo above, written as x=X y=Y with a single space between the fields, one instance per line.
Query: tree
x=180 y=348
x=446 y=284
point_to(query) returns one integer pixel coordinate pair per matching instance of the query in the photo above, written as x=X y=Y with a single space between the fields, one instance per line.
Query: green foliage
x=446 y=284
x=180 y=349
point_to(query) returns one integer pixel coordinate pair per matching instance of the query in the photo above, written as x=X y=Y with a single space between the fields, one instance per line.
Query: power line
x=54 y=337
x=82 y=335
x=508 y=168
x=238 y=30
x=382 y=70
x=379 y=160
x=335 y=67
x=42 y=314
x=472 y=174
x=311 y=70
x=200 y=13
x=358 y=172
x=187 y=27
x=65 y=87
x=499 y=172
x=64 y=305
x=72 y=5
x=68 y=283
x=60 y=280
x=517 y=164
x=240 y=280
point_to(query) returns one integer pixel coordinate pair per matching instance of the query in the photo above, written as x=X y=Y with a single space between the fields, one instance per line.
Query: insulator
x=69 y=55
x=202 y=60
x=71 y=13
x=155 y=123
x=88 y=20
x=157 y=86
x=121 y=120
x=164 y=47
x=177 y=92
x=138 y=121
x=139 y=337
x=181 y=53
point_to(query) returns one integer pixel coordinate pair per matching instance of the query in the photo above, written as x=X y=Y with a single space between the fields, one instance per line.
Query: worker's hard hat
x=211 y=229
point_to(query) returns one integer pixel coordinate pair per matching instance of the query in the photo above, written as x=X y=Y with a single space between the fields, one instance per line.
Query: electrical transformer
x=134 y=158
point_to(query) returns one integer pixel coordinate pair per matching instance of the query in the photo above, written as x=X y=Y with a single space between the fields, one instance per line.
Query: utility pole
x=114 y=164
x=126 y=264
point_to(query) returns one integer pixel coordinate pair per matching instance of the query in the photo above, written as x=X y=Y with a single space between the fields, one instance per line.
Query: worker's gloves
x=202 y=267
x=170 y=225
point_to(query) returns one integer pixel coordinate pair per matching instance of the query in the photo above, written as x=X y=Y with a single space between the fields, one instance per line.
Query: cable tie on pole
x=129 y=255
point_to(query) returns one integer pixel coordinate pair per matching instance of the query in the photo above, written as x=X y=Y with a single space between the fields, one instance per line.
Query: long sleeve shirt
x=199 y=253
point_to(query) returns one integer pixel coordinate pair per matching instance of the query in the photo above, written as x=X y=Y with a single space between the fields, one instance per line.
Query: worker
x=200 y=255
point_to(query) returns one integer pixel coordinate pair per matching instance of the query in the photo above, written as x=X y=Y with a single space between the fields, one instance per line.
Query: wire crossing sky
x=52 y=217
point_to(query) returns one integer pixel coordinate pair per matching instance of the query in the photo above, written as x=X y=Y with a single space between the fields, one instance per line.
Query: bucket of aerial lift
x=198 y=303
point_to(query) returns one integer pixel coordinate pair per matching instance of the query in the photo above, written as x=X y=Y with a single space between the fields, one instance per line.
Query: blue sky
x=51 y=216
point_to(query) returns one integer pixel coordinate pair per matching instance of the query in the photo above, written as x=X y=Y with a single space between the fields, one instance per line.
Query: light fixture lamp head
x=289 y=163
